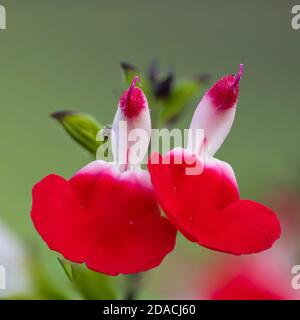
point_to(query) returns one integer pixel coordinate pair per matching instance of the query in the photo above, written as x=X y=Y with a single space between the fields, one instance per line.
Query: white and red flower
x=106 y=215
x=206 y=207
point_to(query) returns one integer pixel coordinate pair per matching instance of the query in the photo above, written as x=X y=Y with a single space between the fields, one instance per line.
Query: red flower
x=206 y=207
x=106 y=215
x=266 y=276
x=260 y=277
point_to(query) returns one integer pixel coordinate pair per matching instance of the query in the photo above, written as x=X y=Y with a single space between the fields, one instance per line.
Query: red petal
x=189 y=201
x=206 y=207
x=58 y=217
x=119 y=225
x=243 y=227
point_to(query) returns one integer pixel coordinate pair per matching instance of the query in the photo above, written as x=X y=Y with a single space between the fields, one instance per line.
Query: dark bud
x=127 y=67
x=164 y=87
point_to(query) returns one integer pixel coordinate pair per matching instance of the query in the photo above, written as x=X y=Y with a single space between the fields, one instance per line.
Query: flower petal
x=243 y=227
x=59 y=218
x=108 y=219
x=207 y=209
x=131 y=129
x=190 y=200
x=215 y=113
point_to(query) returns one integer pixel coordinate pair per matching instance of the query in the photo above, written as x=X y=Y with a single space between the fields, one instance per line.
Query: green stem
x=133 y=286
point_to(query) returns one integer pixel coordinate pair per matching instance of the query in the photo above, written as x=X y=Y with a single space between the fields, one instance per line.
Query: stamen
x=238 y=76
x=135 y=80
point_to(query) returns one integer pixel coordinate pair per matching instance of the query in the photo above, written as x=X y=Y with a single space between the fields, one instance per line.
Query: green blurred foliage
x=183 y=93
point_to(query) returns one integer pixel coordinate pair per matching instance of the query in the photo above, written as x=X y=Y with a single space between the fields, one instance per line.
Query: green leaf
x=43 y=287
x=67 y=267
x=179 y=98
x=92 y=285
x=81 y=127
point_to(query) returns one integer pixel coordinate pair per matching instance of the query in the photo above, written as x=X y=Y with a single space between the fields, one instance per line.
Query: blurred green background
x=65 y=54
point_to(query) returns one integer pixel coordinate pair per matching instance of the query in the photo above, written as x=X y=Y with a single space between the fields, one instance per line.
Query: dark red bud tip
x=225 y=92
x=133 y=100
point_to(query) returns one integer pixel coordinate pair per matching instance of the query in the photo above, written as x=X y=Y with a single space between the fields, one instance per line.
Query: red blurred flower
x=264 y=277
x=106 y=215
x=206 y=207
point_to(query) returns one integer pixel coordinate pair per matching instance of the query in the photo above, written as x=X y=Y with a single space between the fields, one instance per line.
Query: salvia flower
x=106 y=215
x=249 y=278
x=206 y=207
